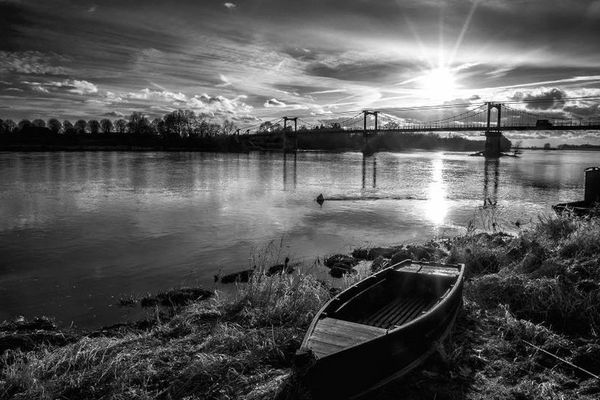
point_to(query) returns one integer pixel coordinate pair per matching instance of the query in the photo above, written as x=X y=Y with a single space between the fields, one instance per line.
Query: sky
x=255 y=60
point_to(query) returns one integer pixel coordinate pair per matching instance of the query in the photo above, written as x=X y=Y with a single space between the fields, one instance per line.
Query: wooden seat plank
x=332 y=335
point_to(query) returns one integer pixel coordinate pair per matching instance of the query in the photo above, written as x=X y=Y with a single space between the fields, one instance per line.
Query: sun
x=438 y=84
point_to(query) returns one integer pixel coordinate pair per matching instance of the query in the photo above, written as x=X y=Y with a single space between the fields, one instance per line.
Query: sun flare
x=438 y=84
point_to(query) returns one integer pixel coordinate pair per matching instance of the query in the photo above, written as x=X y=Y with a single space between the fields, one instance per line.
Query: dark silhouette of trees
x=106 y=125
x=6 y=126
x=93 y=126
x=80 y=126
x=54 y=125
x=39 y=123
x=23 y=124
x=228 y=127
x=138 y=124
x=10 y=125
x=184 y=129
x=121 y=126
x=177 y=122
x=68 y=127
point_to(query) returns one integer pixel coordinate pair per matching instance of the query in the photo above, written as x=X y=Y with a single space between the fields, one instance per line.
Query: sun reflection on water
x=436 y=206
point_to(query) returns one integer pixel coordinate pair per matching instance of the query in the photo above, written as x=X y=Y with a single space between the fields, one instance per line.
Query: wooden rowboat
x=379 y=329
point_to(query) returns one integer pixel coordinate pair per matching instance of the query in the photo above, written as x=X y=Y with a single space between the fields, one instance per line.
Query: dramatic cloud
x=274 y=103
x=76 y=86
x=544 y=100
x=312 y=58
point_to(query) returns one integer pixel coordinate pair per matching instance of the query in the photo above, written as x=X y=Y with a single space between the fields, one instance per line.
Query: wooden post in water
x=592 y=185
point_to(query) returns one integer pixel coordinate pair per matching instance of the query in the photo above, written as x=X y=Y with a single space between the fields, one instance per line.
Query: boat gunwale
x=455 y=287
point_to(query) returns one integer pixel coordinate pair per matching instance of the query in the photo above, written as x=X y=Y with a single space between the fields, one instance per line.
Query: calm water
x=77 y=230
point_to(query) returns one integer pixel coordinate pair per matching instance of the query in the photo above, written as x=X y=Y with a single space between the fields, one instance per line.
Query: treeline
x=184 y=130
x=178 y=129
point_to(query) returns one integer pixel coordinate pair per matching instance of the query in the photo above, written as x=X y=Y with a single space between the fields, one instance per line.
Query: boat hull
x=359 y=369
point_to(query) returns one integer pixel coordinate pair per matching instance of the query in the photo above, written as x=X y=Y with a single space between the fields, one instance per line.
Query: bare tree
x=9 y=126
x=68 y=127
x=228 y=127
x=38 y=123
x=121 y=125
x=23 y=124
x=106 y=125
x=138 y=123
x=94 y=126
x=80 y=126
x=54 y=125
x=177 y=122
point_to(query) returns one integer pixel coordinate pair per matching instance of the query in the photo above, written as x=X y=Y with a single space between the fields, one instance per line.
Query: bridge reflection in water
x=435 y=204
x=364 y=171
x=491 y=171
x=293 y=160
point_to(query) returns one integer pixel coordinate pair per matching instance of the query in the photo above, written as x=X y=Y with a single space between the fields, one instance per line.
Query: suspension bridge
x=491 y=118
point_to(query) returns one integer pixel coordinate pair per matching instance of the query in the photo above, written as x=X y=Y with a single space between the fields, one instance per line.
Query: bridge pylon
x=366 y=133
x=295 y=136
x=493 y=135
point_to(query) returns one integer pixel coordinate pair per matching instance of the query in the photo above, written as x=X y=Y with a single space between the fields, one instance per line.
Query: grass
x=540 y=288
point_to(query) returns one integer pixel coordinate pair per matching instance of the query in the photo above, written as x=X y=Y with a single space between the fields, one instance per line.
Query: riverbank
x=527 y=296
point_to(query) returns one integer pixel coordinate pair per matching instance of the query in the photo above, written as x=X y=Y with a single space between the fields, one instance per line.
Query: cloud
x=542 y=100
x=36 y=86
x=584 y=110
x=164 y=95
x=80 y=87
x=213 y=106
x=225 y=81
x=274 y=103
x=31 y=63
x=92 y=9
x=113 y=114
x=230 y=6
x=221 y=106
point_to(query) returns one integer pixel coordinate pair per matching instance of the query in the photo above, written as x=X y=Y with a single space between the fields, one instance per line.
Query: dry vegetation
x=526 y=296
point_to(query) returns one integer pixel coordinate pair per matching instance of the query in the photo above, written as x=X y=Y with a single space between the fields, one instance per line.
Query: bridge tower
x=294 y=136
x=493 y=135
x=366 y=134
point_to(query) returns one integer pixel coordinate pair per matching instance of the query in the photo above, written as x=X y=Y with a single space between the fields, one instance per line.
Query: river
x=80 y=229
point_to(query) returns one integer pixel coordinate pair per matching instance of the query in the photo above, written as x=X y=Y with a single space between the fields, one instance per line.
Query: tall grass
x=225 y=347
x=541 y=286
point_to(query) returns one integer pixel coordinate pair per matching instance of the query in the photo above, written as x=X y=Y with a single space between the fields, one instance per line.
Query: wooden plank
x=404 y=305
x=425 y=306
x=429 y=270
x=388 y=322
x=332 y=335
x=352 y=334
x=341 y=325
x=407 y=311
x=371 y=320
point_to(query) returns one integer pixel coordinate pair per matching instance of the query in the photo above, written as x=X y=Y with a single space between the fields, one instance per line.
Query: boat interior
x=382 y=303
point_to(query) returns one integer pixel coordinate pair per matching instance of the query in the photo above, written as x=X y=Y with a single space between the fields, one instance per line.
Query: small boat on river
x=380 y=329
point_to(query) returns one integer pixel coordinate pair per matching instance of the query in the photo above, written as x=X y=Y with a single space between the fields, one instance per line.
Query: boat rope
x=562 y=359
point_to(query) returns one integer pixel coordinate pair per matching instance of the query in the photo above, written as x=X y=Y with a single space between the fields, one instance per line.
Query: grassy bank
x=527 y=296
